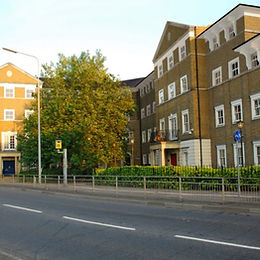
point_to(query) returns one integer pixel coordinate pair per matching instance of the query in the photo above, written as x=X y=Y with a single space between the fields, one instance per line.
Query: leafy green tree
x=84 y=106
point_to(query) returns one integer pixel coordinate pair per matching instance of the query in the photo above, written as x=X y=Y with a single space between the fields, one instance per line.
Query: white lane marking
x=218 y=242
x=22 y=208
x=99 y=224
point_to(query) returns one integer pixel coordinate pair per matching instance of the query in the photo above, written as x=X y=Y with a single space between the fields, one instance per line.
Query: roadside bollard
x=74 y=182
x=93 y=183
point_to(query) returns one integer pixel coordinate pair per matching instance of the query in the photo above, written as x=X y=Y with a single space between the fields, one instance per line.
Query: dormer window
x=231 y=32
x=160 y=70
x=170 y=62
x=183 y=52
x=215 y=43
x=254 y=60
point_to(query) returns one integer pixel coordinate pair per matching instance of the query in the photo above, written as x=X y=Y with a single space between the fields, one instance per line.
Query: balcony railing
x=164 y=135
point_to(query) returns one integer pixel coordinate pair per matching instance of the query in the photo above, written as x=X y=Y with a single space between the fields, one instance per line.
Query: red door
x=174 y=159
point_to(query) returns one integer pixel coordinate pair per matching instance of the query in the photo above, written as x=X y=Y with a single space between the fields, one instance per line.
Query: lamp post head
x=132 y=141
x=6 y=49
x=240 y=124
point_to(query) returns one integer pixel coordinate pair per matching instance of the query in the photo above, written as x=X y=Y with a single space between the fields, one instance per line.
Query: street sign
x=58 y=144
x=237 y=135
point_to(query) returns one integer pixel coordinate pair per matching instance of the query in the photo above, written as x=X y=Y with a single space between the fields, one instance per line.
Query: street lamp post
x=39 y=112
x=240 y=125
x=133 y=159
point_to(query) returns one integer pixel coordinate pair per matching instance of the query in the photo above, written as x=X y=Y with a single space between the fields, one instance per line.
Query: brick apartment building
x=16 y=88
x=206 y=80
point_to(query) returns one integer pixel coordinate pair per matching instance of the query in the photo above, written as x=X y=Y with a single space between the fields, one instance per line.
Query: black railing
x=164 y=135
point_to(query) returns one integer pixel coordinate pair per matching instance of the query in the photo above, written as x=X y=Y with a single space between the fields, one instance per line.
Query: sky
x=126 y=31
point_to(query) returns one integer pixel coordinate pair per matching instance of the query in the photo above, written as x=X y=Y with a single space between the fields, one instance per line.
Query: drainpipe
x=198 y=93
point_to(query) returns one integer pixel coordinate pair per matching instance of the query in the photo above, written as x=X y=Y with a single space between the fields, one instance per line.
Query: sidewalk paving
x=151 y=197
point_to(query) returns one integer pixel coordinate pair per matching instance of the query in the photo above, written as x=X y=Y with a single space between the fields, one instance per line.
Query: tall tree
x=85 y=106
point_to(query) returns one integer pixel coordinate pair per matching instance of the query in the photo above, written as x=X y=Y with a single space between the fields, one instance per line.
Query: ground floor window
x=256 y=150
x=8 y=140
x=221 y=155
x=241 y=154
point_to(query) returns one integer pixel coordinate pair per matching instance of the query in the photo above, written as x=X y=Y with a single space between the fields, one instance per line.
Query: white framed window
x=173 y=126
x=149 y=134
x=215 y=43
x=29 y=92
x=221 y=156
x=28 y=112
x=231 y=32
x=182 y=52
x=217 y=76
x=9 y=140
x=160 y=70
x=171 y=91
x=144 y=136
x=256 y=150
x=184 y=84
x=9 y=92
x=161 y=96
x=142 y=113
x=219 y=116
x=170 y=62
x=240 y=153
x=148 y=110
x=185 y=121
x=255 y=106
x=9 y=114
x=162 y=124
x=154 y=106
x=185 y=158
x=233 y=68
x=237 y=111
x=254 y=60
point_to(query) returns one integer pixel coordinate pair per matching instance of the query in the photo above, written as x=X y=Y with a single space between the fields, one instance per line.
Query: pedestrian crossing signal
x=58 y=144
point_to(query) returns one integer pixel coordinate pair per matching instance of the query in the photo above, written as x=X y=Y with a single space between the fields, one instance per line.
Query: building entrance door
x=8 y=167
x=174 y=159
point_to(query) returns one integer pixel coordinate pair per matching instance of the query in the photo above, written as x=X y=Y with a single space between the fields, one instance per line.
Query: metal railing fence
x=196 y=187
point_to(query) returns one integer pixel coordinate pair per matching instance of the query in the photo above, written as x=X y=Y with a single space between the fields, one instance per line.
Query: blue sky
x=126 y=31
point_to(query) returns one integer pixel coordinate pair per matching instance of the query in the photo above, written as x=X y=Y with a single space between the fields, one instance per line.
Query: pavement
x=164 y=198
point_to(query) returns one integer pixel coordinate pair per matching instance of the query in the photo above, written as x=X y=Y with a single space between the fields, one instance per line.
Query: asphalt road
x=40 y=225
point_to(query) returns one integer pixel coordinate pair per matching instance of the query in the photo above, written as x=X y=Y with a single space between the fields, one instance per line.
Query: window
x=170 y=62
x=8 y=140
x=161 y=96
x=186 y=158
x=185 y=121
x=221 y=156
x=144 y=159
x=144 y=136
x=148 y=88
x=255 y=106
x=219 y=116
x=184 y=84
x=183 y=52
x=231 y=32
x=160 y=70
x=142 y=113
x=241 y=160
x=149 y=134
x=29 y=92
x=9 y=114
x=9 y=92
x=233 y=68
x=171 y=91
x=162 y=124
x=173 y=127
x=237 y=113
x=256 y=149
x=216 y=76
x=150 y=159
x=141 y=92
x=254 y=60
x=215 y=43
x=148 y=110
x=27 y=113
x=154 y=106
